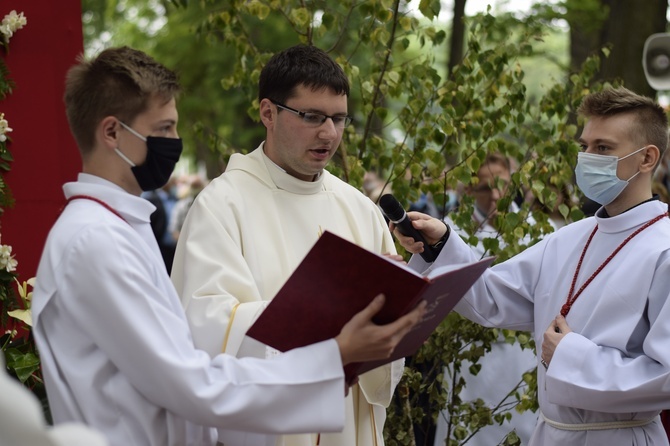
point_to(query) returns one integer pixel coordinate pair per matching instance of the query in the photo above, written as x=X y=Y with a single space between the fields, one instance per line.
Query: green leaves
x=420 y=127
x=6 y=83
x=429 y=8
x=23 y=362
x=19 y=348
x=299 y=16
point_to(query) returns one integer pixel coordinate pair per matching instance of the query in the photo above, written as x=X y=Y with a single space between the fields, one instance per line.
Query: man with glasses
x=115 y=346
x=249 y=228
x=494 y=177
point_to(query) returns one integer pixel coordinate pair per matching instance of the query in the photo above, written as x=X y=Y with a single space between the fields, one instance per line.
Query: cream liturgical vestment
x=245 y=234
x=614 y=367
x=118 y=356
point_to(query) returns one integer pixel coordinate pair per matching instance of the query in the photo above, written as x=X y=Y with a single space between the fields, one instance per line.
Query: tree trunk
x=457 y=36
x=625 y=29
x=629 y=26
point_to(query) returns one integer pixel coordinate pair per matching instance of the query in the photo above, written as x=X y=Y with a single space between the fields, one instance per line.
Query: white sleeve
x=144 y=334
x=597 y=377
x=503 y=296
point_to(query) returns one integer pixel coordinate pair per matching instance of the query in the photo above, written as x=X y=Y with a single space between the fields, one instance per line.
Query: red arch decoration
x=45 y=155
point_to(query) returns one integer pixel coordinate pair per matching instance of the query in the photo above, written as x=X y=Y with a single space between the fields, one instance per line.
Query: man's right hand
x=363 y=340
x=431 y=228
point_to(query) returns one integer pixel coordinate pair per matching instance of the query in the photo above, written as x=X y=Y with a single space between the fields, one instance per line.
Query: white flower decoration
x=7 y=261
x=25 y=315
x=11 y=23
x=4 y=128
x=5 y=251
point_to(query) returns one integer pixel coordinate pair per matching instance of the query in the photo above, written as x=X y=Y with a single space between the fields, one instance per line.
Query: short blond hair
x=118 y=82
x=650 y=118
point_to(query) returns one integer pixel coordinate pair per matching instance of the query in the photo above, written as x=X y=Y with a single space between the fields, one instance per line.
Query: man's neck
x=314 y=178
x=614 y=209
x=114 y=177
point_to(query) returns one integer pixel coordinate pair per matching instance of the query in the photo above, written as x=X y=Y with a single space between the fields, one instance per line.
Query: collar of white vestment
x=289 y=183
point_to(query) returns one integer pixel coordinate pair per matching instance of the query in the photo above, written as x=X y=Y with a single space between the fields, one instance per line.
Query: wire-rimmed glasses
x=316 y=119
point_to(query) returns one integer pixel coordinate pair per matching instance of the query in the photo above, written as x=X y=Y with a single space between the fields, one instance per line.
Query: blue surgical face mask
x=162 y=155
x=596 y=176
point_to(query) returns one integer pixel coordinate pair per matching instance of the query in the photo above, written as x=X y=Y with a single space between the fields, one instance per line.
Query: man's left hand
x=552 y=336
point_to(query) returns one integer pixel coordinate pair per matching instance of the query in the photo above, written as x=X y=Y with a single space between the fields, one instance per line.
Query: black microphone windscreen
x=391 y=207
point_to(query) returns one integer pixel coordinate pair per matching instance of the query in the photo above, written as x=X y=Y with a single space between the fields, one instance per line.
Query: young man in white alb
x=595 y=292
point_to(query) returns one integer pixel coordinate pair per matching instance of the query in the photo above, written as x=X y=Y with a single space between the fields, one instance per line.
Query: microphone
x=394 y=212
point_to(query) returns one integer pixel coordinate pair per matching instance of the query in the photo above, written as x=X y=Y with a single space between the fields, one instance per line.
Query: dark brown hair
x=300 y=65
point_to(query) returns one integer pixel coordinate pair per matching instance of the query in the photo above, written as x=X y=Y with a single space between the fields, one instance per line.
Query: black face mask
x=162 y=155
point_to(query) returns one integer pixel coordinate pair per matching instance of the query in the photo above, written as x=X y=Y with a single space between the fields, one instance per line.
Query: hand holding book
x=338 y=279
x=363 y=340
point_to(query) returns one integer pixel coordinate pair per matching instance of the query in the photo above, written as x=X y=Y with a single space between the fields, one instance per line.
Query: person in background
x=165 y=199
x=595 y=292
x=493 y=178
x=249 y=228
x=424 y=204
x=116 y=350
x=374 y=186
x=661 y=184
x=503 y=367
x=178 y=216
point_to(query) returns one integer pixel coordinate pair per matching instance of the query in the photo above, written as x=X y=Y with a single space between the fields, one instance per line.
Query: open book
x=337 y=279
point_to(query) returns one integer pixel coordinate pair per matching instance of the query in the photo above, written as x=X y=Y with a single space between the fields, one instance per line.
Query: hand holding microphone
x=396 y=214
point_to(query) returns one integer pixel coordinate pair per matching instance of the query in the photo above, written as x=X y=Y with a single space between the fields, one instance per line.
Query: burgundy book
x=337 y=279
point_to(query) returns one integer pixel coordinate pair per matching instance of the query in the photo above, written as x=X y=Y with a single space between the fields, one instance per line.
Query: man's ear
x=652 y=157
x=268 y=113
x=107 y=132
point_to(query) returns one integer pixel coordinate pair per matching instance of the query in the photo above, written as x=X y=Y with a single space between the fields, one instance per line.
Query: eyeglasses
x=316 y=119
